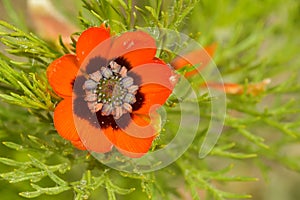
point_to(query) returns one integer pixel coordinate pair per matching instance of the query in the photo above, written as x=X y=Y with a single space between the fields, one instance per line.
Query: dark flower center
x=110 y=91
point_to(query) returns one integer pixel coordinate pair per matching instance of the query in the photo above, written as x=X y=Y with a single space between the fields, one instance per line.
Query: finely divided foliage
x=259 y=129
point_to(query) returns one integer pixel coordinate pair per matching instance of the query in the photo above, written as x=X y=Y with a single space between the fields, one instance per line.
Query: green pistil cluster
x=110 y=91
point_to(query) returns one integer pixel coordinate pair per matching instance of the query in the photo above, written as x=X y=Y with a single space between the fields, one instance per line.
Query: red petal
x=199 y=57
x=155 y=72
x=61 y=74
x=63 y=120
x=92 y=137
x=154 y=96
x=89 y=39
x=78 y=144
x=157 y=83
x=128 y=145
x=136 y=47
x=141 y=126
x=131 y=154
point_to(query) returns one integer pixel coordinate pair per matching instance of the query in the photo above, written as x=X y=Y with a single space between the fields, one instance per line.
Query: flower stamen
x=110 y=91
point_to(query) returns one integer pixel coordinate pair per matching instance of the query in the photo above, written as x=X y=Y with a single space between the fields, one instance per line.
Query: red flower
x=108 y=89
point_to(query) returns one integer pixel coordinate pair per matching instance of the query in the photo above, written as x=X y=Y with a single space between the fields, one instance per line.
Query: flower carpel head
x=110 y=91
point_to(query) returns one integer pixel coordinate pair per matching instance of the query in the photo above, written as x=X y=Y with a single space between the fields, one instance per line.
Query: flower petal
x=131 y=154
x=136 y=47
x=63 y=120
x=140 y=126
x=92 y=137
x=61 y=74
x=89 y=39
x=200 y=57
x=128 y=145
x=78 y=144
x=154 y=72
x=154 y=96
x=156 y=83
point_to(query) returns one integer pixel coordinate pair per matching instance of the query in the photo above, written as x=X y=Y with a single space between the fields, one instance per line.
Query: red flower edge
x=153 y=89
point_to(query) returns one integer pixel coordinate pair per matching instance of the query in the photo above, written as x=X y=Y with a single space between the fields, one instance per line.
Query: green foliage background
x=258 y=153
